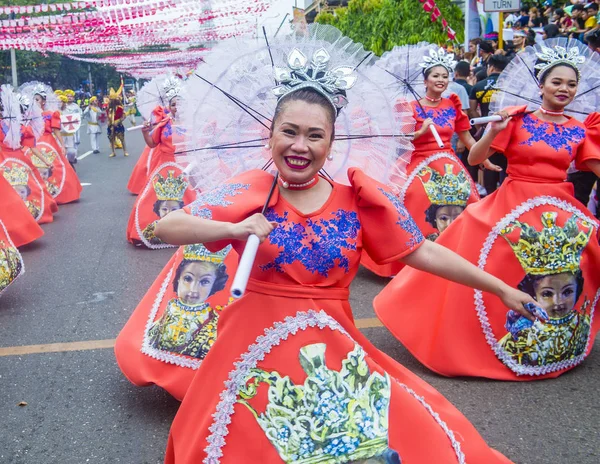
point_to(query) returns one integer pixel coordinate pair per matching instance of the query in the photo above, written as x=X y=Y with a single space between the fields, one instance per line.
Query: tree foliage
x=381 y=24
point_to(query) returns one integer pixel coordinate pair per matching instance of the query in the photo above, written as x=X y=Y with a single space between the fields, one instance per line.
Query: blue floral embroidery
x=47 y=117
x=318 y=245
x=215 y=197
x=405 y=220
x=441 y=118
x=555 y=136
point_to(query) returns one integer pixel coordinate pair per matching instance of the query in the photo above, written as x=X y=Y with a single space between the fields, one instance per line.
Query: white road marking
x=85 y=155
x=85 y=184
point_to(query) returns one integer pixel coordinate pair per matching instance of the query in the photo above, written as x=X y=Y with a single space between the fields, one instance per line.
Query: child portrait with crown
x=188 y=325
x=10 y=263
x=551 y=259
x=46 y=170
x=170 y=190
x=18 y=177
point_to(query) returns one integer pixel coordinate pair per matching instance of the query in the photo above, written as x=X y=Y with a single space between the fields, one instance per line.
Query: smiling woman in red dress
x=532 y=233
x=290 y=378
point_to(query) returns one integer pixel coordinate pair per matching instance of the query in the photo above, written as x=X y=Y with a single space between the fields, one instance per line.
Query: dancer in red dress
x=531 y=232
x=67 y=185
x=11 y=262
x=439 y=187
x=290 y=378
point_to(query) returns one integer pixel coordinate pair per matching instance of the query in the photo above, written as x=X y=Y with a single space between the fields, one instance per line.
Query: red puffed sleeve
x=388 y=230
x=55 y=120
x=234 y=201
x=500 y=143
x=27 y=137
x=160 y=119
x=461 y=123
x=589 y=150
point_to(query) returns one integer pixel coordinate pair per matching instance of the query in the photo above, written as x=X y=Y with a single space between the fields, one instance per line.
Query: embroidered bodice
x=448 y=119
x=320 y=249
x=541 y=151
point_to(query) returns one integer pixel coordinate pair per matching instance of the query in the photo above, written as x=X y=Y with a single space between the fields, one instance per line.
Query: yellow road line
x=57 y=347
x=365 y=323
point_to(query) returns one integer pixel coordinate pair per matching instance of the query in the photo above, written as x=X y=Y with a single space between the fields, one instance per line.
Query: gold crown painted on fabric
x=333 y=414
x=199 y=252
x=50 y=156
x=16 y=175
x=438 y=57
x=302 y=73
x=10 y=264
x=171 y=187
x=446 y=189
x=554 y=249
x=551 y=57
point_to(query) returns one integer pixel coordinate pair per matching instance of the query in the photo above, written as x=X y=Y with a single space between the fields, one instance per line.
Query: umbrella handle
x=486 y=119
x=436 y=136
x=238 y=287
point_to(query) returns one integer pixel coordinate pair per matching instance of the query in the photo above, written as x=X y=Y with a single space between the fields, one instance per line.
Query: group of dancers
x=36 y=172
x=330 y=158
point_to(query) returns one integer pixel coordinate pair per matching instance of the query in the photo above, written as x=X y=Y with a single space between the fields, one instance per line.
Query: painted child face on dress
x=559 y=87
x=446 y=215
x=301 y=140
x=196 y=282
x=557 y=294
x=44 y=173
x=168 y=206
x=22 y=190
x=173 y=106
x=437 y=79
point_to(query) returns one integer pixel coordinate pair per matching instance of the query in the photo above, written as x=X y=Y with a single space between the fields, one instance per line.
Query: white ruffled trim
x=257 y=351
x=148 y=187
x=149 y=160
x=12 y=245
x=478 y=295
x=429 y=160
x=32 y=176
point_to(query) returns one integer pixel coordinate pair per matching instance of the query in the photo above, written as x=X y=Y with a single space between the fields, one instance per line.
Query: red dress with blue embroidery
x=290 y=378
x=436 y=177
x=532 y=234
x=63 y=177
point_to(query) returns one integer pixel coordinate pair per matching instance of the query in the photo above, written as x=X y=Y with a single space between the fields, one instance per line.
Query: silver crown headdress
x=438 y=58
x=551 y=57
x=300 y=74
x=24 y=101
x=40 y=89
x=172 y=87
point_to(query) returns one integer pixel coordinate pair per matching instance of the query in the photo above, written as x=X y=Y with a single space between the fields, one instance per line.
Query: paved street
x=83 y=280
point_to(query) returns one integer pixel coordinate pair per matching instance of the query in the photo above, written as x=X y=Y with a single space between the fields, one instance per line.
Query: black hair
x=530 y=39
x=577 y=7
x=431 y=212
x=427 y=72
x=559 y=12
x=524 y=9
x=593 y=38
x=528 y=283
x=592 y=6
x=499 y=62
x=476 y=41
x=310 y=96
x=462 y=68
x=486 y=46
x=542 y=78
x=551 y=30
x=156 y=207
x=220 y=275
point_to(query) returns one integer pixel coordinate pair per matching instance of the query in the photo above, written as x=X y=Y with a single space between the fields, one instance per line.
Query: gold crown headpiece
x=170 y=187
x=554 y=249
x=50 y=156
x=199 y=252
x=550 y=57
x=69 y=93
x=447 y=189
x=332 y=411
x=16 y=175
x=115 y=95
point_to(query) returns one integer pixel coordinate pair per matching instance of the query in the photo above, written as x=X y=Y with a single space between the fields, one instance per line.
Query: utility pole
x=13 y=67
x=90 y=80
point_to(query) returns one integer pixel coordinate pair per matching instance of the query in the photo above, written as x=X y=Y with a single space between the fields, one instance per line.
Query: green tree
x=381 y=24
